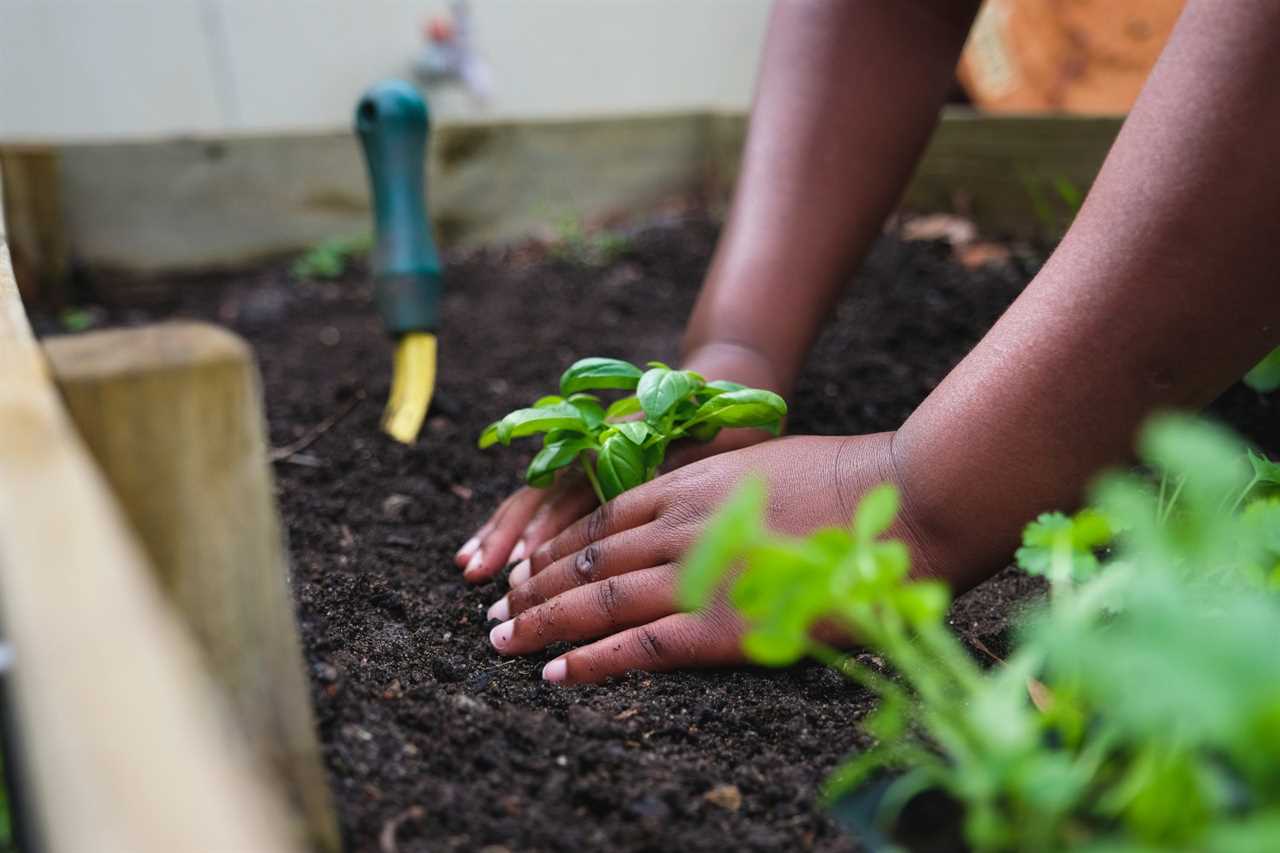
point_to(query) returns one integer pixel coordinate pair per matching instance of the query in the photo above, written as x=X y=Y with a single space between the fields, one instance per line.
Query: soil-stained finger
x=571 y=501
x=495 y=547
x=673 y=642
x=629 y=509
x=628 y=551
x=591 y=611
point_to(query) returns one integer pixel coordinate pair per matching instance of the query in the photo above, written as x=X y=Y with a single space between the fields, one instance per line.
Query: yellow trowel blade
x=412 y=384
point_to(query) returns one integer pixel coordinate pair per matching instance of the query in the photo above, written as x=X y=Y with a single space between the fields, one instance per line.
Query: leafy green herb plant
x=330 y=259
x=622 y=444
x=1156 y=720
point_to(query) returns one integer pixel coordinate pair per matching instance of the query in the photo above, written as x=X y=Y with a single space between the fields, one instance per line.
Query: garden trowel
x=392 y=123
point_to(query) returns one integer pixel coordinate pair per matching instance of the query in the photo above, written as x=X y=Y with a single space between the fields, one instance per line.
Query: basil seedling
x=616 y=447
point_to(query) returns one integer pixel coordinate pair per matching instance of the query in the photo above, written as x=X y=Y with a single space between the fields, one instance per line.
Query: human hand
x=531 y=517
x=614 y=574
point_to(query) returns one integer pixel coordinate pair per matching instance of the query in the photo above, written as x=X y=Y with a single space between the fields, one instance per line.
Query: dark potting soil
x=432 y=740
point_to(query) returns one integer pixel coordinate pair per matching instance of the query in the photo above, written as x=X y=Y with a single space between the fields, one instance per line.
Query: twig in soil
x=982 y=647
x=1041 y=695
x=387 y=838
x=280 y=454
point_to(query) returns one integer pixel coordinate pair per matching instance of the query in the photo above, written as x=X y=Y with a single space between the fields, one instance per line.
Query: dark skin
x=1161 y=295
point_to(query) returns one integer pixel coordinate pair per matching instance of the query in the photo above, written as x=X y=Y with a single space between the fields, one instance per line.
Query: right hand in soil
x=612 y=576
x=532 y=517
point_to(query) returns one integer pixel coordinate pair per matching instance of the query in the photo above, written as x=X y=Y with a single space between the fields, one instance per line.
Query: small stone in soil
x=727 y=797
x=393 y=505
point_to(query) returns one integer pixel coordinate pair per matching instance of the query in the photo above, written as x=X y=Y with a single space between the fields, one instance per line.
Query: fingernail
x=472 y=544
x=474 y=564
x=555 y=671
x=500 y=636
x=517 y=553
x=500 y=610
x=519 y=574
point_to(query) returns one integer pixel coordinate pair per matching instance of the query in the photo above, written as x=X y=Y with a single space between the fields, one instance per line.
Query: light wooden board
x=172 y=414
x=125 y=742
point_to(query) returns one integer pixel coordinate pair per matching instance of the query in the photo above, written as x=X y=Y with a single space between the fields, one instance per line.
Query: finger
x=494 y=548
x=628 y=551
x=627 y=510
x=473 y=544
x=673 y=642
x=564 y=507
x=468 y=550
x=595 y=610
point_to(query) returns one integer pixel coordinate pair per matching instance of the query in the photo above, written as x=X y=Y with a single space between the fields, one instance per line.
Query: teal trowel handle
x=391 y=120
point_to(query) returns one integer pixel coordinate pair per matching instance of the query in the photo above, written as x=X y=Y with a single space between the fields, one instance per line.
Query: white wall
x=104 y=70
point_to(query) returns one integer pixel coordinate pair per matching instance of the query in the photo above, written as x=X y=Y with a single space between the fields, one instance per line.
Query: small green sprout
x=1063 y=548
x=330 y=259
x=622 y=445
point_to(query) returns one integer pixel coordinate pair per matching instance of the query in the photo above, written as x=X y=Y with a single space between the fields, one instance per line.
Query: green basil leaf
x=549 y=400
x=619 y=466
x=653 y=456
x=660 y=389
x=716 y=387
x=635 y=431
x=524 y=422
x=590 y=409
x=599 y=373
x=551 y=458
x=622 y=408
x=489 y=437
x=728 y=535
x=704 y=431
x=750 y=407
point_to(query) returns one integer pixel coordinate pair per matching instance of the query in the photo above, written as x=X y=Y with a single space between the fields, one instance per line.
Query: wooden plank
x=182 y=205
x=34 y=226
x=125 y=742
x=173 y=415
x=1010 y=174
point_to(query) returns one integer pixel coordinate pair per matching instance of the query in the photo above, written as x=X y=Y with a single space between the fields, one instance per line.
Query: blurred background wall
x=158 y=135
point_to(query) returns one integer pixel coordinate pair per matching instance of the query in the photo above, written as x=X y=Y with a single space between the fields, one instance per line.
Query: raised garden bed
x=435 y=742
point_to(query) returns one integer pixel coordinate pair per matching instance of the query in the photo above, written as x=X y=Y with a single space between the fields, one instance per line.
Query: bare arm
x=1163 y=293
x=849 y=93
x=1166 y=290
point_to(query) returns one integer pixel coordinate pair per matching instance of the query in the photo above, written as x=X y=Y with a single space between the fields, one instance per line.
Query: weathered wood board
x=126 y=744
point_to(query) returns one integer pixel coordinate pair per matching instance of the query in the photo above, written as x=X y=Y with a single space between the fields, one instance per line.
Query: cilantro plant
x=1141 y=710
x=622 y=445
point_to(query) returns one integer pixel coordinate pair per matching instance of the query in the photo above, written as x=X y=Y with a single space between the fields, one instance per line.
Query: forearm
x=848 y=95
x=1162 y=294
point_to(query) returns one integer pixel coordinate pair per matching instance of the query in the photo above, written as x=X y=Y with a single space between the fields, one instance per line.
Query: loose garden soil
x=433 y=741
